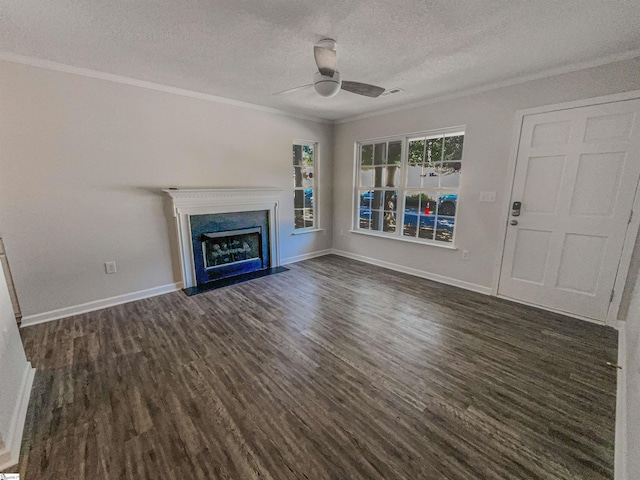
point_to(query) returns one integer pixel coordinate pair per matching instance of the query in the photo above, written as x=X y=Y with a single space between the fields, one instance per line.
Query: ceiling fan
x=327 y=81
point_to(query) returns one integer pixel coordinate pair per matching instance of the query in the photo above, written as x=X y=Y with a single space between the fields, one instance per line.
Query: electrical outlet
x=465 y=254
x=488 y=197
x=110 y=267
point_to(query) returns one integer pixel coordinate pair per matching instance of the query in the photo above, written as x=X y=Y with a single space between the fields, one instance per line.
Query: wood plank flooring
x=332 y=370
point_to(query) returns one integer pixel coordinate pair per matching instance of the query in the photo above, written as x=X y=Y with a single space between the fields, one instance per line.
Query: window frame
x=315 y=188
x=402 y=187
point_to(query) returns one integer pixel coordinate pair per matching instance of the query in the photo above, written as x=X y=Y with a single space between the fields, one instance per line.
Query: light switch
x=110 y=267
x=488 y=197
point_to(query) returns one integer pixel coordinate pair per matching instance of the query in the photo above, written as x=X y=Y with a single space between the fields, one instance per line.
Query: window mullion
x=404 y=171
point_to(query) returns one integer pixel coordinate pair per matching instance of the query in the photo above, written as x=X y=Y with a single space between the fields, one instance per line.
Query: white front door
x=576 y=176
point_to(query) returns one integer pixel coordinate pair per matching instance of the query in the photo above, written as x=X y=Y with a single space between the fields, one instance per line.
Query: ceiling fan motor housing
x=327 y=86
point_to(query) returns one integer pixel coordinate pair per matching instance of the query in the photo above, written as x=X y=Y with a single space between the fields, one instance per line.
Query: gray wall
x=631 y=370
x=82 y=162
x=489 y=119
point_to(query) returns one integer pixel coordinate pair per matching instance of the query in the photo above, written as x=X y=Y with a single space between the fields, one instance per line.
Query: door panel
x=543 y=181
x=603 y=169
x=532 y=252
x=552 y=133
x=580 y=263
x=576 y=175
x=616 y=127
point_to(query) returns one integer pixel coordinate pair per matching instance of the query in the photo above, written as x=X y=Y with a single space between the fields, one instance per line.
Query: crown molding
x=85 y=72
x=574 y=67
x=109 y=77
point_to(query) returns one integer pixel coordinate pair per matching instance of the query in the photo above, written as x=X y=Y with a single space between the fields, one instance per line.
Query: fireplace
x=224 y=233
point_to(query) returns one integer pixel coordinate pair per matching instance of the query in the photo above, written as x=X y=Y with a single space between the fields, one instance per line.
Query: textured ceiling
x=248 y=50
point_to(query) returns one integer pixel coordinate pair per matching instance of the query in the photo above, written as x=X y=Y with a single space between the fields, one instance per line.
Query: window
x=407 y=187
x=304 y=185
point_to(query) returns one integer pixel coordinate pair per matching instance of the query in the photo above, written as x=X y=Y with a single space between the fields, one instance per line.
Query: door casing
x=632 y=227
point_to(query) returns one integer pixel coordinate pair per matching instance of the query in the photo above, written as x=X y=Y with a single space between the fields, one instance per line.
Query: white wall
x=629 y=404
x=16 y=376
x=82 y=162
x=489 y=118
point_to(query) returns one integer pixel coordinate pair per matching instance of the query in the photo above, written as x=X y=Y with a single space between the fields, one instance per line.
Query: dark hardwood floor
x=332 y=370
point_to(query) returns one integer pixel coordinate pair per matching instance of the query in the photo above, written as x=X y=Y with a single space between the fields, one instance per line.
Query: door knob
x=513 y=222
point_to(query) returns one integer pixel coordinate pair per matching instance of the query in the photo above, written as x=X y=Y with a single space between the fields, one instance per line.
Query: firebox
x=229 y=244
x=231 y=247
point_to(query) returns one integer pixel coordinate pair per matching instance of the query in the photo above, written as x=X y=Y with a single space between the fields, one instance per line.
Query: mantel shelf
x=222 y=196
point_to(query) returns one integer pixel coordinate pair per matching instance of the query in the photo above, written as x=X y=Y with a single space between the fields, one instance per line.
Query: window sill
x=404 y=239
x=302 y=231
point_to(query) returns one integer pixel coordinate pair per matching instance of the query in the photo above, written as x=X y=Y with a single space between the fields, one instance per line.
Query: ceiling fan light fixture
x=327 y=86
x=327 y=81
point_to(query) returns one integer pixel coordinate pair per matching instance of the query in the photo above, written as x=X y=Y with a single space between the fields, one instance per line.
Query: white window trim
x=398 y=235
x=402 y=238
x=302 y=231
x=316 y=187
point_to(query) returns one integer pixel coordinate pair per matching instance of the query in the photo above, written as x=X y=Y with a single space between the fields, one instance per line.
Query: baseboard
x=306 y=256
x=602 y=323
x=414 y=271
x=29 y=320
x=620 y=455
x=10 y=454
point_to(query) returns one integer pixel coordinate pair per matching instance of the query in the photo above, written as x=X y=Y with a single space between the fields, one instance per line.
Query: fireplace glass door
x=231 y=247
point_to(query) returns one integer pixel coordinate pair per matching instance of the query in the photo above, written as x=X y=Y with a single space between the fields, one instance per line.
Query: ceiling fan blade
x=325 y=60
x=291 y=90
x=362 y=89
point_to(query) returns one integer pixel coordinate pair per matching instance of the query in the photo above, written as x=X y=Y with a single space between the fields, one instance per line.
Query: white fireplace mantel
x=203 y=201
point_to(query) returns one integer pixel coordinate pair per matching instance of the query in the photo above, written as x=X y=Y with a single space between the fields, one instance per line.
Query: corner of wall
x=620 y=459
x=10 y=447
